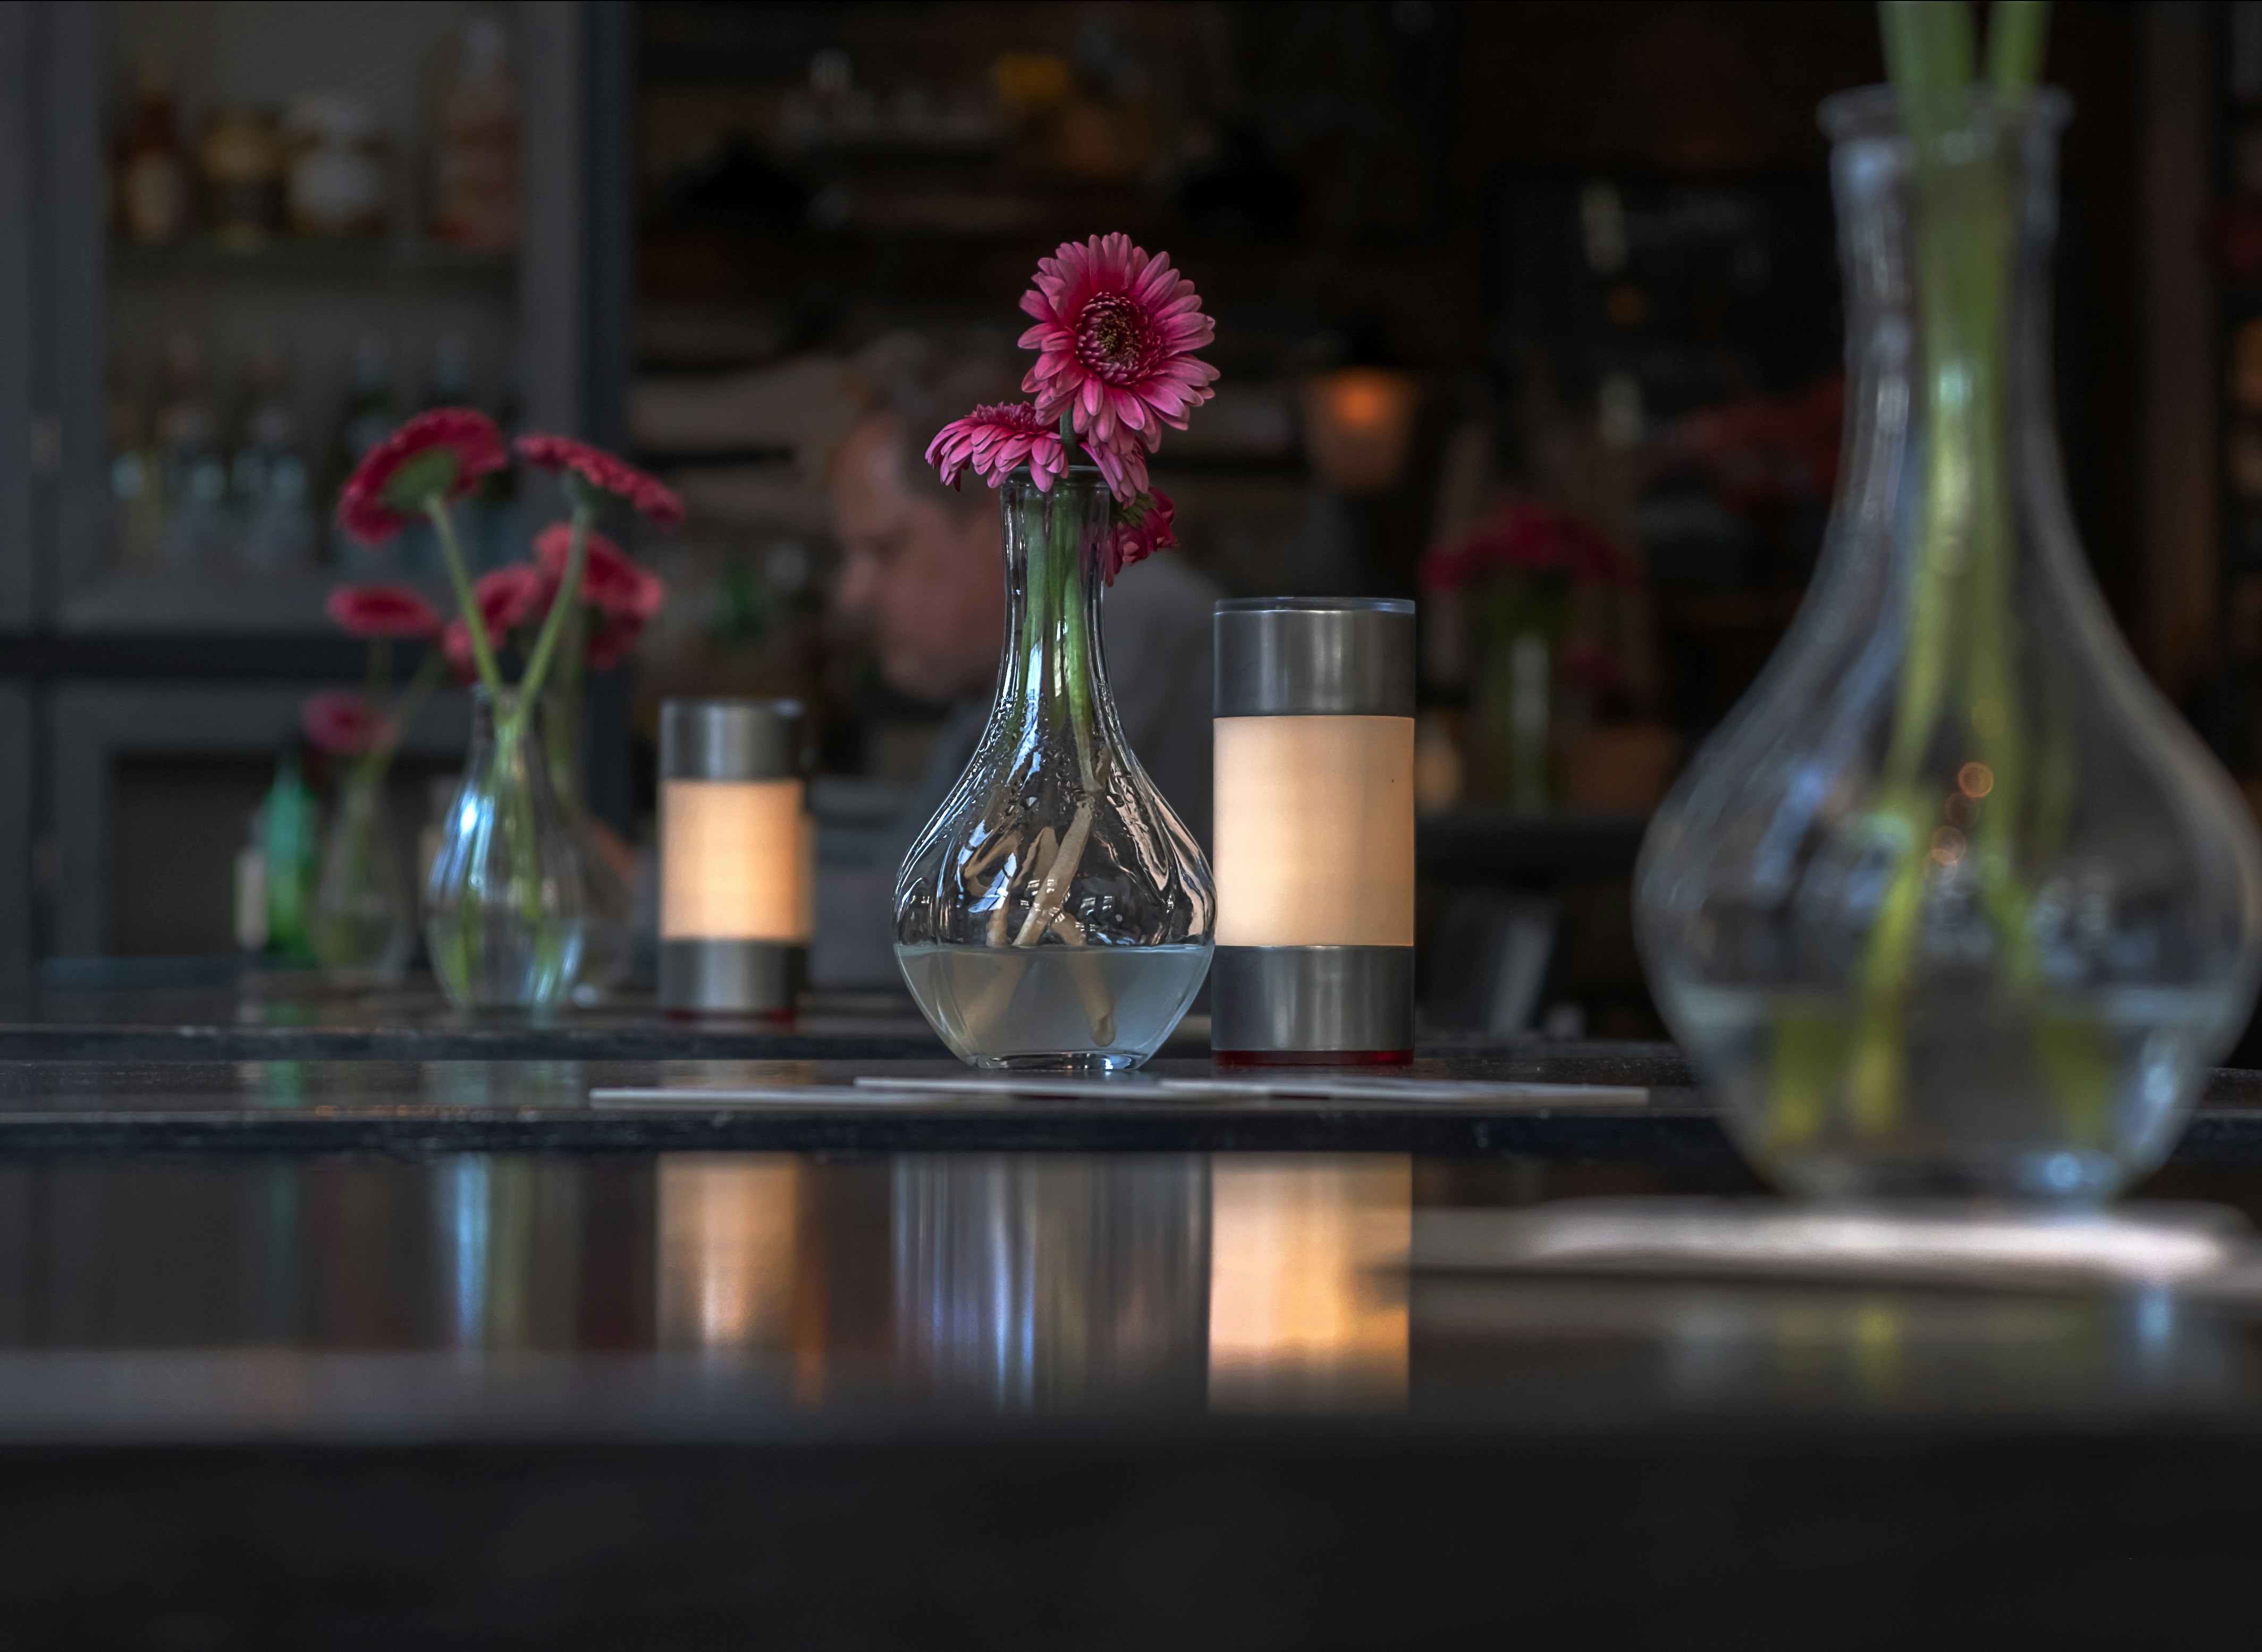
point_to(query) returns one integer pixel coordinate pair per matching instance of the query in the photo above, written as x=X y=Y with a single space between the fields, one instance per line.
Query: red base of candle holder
x=1311 y=1057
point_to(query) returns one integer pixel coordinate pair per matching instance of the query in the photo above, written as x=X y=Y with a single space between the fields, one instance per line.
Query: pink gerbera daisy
x=613 y=640
x=1139 y=529
x=1123 y=463
x=610 y=581
x=647 y=494
x=994 y=441
x=1115 y=333
x=437 y=455
x=341 y=724
x=382 y=612
x=508 y=598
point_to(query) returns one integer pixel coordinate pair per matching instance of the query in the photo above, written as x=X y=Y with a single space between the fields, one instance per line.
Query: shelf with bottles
x=302 y=178
x=222 y=505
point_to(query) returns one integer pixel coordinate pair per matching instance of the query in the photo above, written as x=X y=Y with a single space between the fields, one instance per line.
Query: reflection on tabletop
x=250 y=1291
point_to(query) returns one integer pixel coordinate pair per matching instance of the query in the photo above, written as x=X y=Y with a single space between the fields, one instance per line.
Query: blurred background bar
x=1530 y=313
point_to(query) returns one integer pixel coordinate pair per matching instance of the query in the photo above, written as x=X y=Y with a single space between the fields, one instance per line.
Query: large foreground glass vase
x=503 y=906
x=1954 y=903
x=1055 y=914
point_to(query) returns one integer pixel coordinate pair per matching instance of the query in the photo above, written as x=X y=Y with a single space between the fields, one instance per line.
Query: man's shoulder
x=1160 y=596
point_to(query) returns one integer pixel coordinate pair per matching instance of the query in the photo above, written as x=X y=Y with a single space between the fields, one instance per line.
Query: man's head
x=919 y=563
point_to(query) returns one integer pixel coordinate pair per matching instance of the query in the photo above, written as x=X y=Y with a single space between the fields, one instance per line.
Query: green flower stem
x=436 y=506
x=1963 y=629
x=1059 y=675
x=1075 y=655
x=568 y=599
x=512 y=759
x=562 y=725
x=378 y=758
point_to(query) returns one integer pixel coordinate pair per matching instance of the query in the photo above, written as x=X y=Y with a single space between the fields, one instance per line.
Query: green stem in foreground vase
x=467 y=601
x=568 y=599
x=1060 y=655
x=1962 y=627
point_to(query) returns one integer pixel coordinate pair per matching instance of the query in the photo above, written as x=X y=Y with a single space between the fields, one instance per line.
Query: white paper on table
x=784 y=1095
x=1283 y=1087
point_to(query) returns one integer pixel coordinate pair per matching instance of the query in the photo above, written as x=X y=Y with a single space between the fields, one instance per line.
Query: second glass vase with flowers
x=1056 y=913
x=364 y=922
x=506 y=906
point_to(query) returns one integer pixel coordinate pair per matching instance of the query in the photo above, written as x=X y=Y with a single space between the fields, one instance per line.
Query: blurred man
x=922 y=571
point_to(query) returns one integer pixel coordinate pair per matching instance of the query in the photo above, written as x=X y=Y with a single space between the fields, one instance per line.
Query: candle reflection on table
x=727 y=1251
x=1307 y=1294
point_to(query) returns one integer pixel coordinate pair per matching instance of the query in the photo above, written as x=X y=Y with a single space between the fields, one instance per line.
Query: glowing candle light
x=1307 y=1293
x=1314 y=830
x=736 y=862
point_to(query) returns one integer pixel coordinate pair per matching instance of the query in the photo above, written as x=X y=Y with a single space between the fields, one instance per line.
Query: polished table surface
x=215 y=1010
x=444 y=1352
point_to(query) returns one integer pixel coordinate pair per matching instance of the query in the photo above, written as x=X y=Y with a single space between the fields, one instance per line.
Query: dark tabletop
x=442 y=1352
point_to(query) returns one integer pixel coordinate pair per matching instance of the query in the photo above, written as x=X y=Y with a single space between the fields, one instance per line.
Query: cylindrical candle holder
x=736 y=862
x=1314 y=831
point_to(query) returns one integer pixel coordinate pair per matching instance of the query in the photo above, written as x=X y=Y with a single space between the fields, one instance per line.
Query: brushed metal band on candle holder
x=1311 y=1000
x=731 y=978
x=1315 y=656
x=730 y=740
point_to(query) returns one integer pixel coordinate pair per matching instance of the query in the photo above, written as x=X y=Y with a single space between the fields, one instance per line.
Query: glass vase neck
x=1923 y=346
x=1053 y=671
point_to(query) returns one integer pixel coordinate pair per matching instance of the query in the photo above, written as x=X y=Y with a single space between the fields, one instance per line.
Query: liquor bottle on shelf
x=369 y=417
x=449 y=385
x=192 y=475
x=501 y=535
x=268 y=476
x=138 y=511
x=475 y=185
x=242 y=161
x=334 y=171
x=153 y=180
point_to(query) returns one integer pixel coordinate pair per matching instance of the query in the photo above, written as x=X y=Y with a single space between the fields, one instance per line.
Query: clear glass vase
x=609 y=934
x=1953 y=903
x=1054 y=913
x=364 y=923
x=503 y=908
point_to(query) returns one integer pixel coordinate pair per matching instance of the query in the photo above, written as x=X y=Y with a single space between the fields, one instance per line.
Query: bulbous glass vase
x=1953 y=903
x=364 y=924
x=1055 y=914
x=608 y=903
x=503 y=906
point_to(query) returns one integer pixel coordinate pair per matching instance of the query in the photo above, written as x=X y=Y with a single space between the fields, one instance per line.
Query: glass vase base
x=1054 y=1008
x=1080 y=1063
x=2060 y=1100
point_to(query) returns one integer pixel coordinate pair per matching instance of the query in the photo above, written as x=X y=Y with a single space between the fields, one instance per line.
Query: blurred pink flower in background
x=436 y=455
x=342 y=723
x=651 y=497
x=384 y=613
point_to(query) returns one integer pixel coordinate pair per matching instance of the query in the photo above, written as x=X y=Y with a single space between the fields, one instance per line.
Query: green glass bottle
x=289 y=833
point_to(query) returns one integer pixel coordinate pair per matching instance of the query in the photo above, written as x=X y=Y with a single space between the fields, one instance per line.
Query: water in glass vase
x=2063 y=1097
x=1094 y=1009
